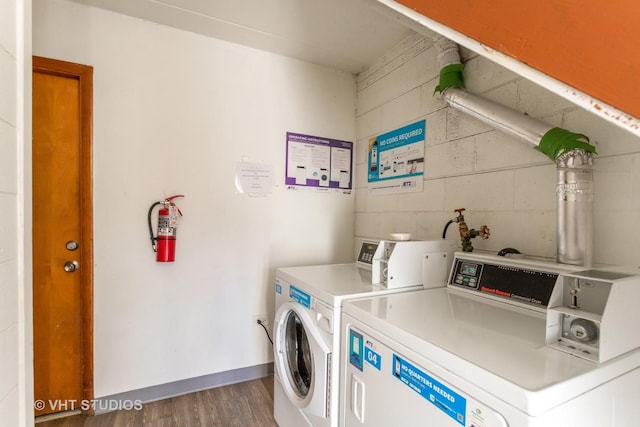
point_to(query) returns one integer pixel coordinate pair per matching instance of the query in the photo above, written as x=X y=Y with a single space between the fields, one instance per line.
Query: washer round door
x=301 y=359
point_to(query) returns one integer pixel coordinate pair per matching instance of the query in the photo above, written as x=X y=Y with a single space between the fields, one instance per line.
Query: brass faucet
x=466 y=235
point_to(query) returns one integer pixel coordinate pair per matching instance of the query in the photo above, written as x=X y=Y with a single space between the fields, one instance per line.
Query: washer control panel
x=367 y=250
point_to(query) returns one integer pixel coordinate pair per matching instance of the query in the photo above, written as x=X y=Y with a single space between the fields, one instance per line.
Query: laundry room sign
x=395 y=160
x=318 y=163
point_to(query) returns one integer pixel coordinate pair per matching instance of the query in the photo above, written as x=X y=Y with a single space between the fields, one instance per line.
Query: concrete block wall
x=501 y=181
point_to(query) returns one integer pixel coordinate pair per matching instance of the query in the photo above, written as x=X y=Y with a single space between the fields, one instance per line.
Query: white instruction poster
x=318 y=163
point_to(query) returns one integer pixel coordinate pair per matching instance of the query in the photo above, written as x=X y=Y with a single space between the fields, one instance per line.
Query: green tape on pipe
x=450 y=76
x=558 y=141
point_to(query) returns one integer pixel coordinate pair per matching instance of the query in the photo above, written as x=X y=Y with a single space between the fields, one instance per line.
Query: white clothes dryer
x=480 y=352
x=306 y=333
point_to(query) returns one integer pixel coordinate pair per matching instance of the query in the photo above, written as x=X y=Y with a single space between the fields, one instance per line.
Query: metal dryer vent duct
x=572 y=153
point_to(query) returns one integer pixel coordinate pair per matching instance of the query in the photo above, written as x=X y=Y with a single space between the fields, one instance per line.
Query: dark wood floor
x=244 y=404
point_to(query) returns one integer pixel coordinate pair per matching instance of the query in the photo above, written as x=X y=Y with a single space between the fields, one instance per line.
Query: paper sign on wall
x=254 y=178
x=395 y=160
x=318 y=163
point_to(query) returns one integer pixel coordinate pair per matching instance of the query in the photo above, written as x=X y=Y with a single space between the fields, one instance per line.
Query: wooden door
x=62 y=235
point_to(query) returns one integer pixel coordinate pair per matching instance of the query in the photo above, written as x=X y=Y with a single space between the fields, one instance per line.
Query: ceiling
x=348 y=35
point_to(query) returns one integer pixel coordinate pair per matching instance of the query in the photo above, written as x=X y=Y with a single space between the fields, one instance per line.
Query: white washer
x=307 y=336
x=451 y=357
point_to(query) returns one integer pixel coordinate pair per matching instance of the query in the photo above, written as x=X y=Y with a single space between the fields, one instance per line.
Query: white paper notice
x=254 y=178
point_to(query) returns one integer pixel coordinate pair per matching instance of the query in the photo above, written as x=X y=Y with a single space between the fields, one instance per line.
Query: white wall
x=16 y=378
x=501 y=181
x=173 y=113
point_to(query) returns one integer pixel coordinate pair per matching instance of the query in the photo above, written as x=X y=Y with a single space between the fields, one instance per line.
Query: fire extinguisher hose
x=151 y=236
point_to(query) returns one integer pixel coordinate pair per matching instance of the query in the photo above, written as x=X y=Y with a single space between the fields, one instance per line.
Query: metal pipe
x=500 y=117
x=574 y=166
x=575 y=208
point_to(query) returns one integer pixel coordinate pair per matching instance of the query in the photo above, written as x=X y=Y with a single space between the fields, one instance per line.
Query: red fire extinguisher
x=164 y=244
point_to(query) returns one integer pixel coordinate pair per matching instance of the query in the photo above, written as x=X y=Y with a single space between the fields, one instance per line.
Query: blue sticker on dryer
x=300 y=296
x=372 y=358
x=440 y=396
x=356 y=345
x=278 y=288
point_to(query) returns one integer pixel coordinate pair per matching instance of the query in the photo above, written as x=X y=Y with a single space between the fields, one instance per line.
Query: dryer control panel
x=514 y=280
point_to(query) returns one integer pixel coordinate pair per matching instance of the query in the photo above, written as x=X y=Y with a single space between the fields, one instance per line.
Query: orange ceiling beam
x=590 y=45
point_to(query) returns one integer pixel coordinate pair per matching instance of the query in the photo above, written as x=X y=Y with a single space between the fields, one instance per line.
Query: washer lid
x=335 y=283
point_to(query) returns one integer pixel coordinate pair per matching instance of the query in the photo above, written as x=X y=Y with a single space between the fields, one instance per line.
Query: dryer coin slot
x=583 y=330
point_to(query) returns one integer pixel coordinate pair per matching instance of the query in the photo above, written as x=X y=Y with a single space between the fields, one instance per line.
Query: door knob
x=71 y=266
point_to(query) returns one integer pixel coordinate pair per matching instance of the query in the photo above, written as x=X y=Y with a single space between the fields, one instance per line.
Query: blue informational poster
x=395 y=160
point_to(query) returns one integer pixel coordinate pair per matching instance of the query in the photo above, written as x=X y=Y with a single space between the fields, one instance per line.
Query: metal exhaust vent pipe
x=575 y=207
x=572 y=153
